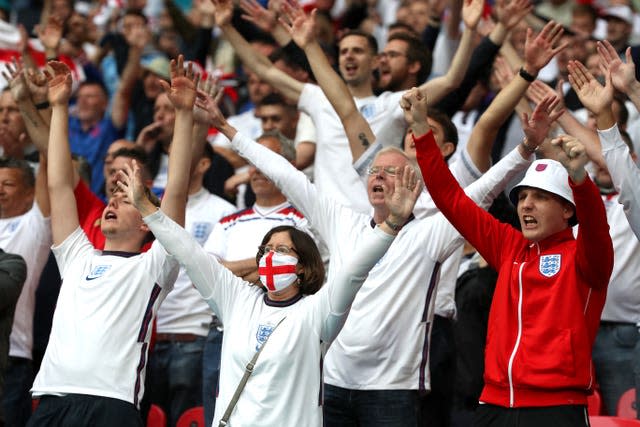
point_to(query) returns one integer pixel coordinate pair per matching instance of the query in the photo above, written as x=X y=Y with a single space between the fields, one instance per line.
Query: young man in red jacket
x=551 y=286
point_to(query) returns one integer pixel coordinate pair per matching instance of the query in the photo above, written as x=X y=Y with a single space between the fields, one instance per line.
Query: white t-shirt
x=237 y=237
x=102 y=324
x=184 y=311
x=285 y=386
x=384 y=343
x=28 y=235
x=333 y=171
x=623 y=293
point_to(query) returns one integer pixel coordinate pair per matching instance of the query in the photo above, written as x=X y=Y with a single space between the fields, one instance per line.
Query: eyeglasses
x=389 y=170
x=281 y=249
x=391 y=54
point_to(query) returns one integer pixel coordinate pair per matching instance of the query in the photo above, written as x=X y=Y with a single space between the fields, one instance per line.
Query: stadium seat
x=627 y=405
x=193 y=417
x=613 y=422
x=156 y=417
x=594 y=403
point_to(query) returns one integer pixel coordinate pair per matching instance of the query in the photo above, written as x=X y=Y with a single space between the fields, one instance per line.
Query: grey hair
x=287 y=146
x=393 y=149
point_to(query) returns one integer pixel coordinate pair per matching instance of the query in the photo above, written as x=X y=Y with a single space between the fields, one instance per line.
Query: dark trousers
x=80 y=410
x=556 y=416
x=369 y=408
x=174 y=377
x=435 y=407
x=16 y=400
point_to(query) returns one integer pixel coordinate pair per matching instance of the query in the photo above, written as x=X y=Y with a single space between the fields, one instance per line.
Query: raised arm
x=182 y=94
x=64 y=213
x=439 y=87
x=597 y=99
x=538 y=52
x=137 y=39
x=265 y=19
x=623 y=74
x=595 y=266
x=50 y=35
x=301 y=27
x=255 y=61
x=35 y=126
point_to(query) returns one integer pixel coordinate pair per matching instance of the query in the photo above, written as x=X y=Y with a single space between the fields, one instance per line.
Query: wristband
x=395 y=227
x=525 y=75
x=42 y=105
x=527 y=148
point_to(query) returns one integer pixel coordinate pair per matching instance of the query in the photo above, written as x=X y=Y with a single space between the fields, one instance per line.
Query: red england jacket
x=549 y=295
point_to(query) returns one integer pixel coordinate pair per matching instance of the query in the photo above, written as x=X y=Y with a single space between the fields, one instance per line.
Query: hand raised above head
x=300 y=26
x=539 y=50
x=623 y=74
x=207 y=88
x=13 y=74
x=414 y=103
x=573 y=156
x=223 y=12
x=595 y=97
x=254 y=12
x=536 y=128
x=182 y=92
x=210 y=111
x=472 y=12
x=59 y=78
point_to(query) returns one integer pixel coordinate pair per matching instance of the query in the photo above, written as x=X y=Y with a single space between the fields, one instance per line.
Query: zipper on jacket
x=517 y=344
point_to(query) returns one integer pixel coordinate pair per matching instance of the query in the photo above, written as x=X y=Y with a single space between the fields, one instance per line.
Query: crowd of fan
x=329 y=87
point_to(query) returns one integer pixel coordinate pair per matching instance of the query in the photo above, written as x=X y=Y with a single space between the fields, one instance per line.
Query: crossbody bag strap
x=248 y=370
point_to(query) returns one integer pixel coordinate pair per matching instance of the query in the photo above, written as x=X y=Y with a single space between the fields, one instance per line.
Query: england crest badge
x=550 y=264
x=263 y=333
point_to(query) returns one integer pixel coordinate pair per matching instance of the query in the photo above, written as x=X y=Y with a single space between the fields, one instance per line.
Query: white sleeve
x=344 y=287
x=493 y=182
x=463 y=170
x=624 y=173
x=323 y=214
x=217 y=285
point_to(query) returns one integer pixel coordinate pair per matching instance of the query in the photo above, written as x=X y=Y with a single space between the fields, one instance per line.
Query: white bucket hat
x=548 y=175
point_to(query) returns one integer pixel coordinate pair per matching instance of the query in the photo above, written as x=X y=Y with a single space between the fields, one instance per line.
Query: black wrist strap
x=525 y=75
x=42 y=105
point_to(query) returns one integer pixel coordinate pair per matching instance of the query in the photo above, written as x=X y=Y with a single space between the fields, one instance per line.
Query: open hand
x=595 y=97
x=14 y=75
x=401 y=200
x=623 y=74
x=51 y=33
x=264 y=19
x=223 y=12
x=207 y=88
x=300 y=26
x=59 y=78
x=538 y=51
x=131 y=183
x=37 y=83
x=471 y=12
x=536 y=128
x=182 y=92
